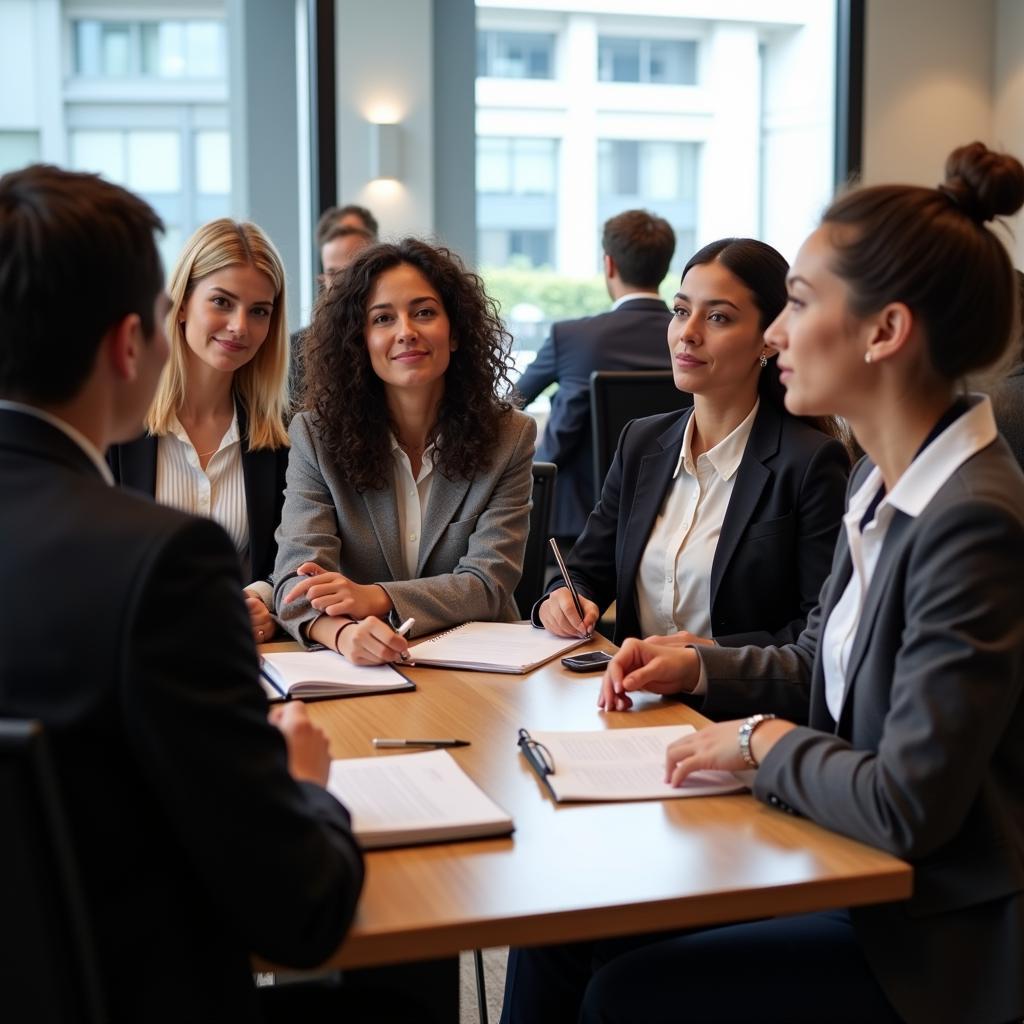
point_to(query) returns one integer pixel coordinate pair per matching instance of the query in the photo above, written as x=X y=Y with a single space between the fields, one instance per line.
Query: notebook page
x=410 y=792
x=290 y=668
x=624 y=764
x=493 y=643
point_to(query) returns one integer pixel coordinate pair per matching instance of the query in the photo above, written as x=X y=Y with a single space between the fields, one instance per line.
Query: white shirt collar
x=727 y=455
x=68 y=431
x=964 y=437
x=635 y=295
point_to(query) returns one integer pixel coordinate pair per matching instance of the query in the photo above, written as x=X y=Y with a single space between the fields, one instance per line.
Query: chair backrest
x=618 y=396
x=531 y=586
x=47 y=962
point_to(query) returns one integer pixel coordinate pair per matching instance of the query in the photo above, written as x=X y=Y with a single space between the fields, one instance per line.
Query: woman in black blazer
x=216 y=443
x=750 y=568
x=900 y=710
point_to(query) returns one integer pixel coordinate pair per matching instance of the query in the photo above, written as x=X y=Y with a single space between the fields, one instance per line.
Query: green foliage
x=558 y=296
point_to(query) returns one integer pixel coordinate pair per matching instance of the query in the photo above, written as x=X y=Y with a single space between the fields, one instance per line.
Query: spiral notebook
x=512 y=647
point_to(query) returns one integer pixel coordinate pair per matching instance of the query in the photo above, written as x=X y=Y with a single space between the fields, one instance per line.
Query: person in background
x=202 y=833
x=215 y=441
x=410 y=475
x=897 y=717
x=638 y=248
x=718 y=520
x=341 y=233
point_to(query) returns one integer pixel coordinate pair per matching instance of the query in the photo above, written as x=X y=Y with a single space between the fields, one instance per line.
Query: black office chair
x=531 y=586
x=618 y=396
x=46 y=957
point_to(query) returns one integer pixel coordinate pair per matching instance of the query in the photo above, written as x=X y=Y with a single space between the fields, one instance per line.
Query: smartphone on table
x=593 y=661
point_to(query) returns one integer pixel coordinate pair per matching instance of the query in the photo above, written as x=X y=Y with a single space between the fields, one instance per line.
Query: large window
x=150 y=49
x=515 y=55
x=657 y=61
x=516 y=200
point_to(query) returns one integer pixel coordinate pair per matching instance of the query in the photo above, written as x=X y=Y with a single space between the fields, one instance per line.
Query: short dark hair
x=333 y=214
x=343 y=231
x=346 y=397
x=641 y=245
x=929 y=248
x=77 y=255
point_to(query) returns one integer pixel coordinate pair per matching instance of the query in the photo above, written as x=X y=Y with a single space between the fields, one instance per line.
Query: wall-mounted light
x=385 y=151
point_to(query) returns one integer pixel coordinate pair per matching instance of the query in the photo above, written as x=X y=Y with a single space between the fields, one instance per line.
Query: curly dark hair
x=346 y=397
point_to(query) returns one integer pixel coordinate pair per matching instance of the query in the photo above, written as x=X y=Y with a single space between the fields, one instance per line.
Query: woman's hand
x=262 y=622
x=558 y=614
x=334 y=594
x=680 y=639
x=717 y=747
x=642 y=665
x=372 y=642
x=309 y=758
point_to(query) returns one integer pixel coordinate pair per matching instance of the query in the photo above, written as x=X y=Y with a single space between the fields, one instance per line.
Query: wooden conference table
x=576 y=871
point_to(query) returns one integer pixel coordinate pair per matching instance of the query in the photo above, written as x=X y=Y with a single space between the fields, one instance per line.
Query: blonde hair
x=262 y=384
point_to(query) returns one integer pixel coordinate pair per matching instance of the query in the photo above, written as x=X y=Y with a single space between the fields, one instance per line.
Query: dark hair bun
x=982 y=183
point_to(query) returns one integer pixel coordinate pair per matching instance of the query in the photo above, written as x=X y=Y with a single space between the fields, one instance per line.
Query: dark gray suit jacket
x=927 y=759
x=471 y=551
x=196 y=847
x=632 y=337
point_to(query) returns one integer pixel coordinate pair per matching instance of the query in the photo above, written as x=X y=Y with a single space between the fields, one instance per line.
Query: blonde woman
x=215 y=441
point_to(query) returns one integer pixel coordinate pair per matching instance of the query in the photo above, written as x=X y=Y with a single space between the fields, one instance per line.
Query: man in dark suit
x=638 y=248
x=203 y=833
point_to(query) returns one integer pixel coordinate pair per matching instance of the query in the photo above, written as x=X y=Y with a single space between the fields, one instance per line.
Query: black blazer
x=134 y=465
x=632 y=337
x=927 y=758
x=196 y=848
x=777 y=538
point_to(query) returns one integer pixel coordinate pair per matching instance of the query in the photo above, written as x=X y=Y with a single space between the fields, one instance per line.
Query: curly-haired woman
x=410 y=475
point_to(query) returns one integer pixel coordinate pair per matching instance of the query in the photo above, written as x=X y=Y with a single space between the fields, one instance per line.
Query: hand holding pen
x=565 y=612
x=371 y=641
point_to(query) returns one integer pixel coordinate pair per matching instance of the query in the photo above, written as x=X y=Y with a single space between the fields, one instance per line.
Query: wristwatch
x=746 y=733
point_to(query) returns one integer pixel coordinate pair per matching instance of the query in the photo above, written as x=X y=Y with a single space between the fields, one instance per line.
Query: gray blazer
x=927 y=759
x=471 y=552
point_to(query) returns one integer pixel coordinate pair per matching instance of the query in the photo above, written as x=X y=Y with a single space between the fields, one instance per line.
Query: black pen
x=565 y=576
x=378 y=742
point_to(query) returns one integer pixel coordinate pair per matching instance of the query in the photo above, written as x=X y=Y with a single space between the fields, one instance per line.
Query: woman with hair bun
x=900 y=709
x=410 y=475
x=215 y=441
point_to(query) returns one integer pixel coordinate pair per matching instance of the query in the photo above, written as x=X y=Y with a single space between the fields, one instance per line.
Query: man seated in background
x=341 y=233
x=202 y=832
x=632 y=335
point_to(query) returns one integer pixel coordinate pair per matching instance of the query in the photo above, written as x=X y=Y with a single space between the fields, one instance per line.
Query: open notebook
x=400 y=800
x=514 y=647
x=320 y=675
x=616 y=764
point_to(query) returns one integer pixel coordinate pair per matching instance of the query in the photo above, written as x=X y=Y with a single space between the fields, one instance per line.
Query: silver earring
x=867 y=357
x=763 y=360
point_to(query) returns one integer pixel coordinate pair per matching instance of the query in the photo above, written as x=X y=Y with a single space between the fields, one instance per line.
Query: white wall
x=1008 y=112
x=939 y=73
x=384 y=74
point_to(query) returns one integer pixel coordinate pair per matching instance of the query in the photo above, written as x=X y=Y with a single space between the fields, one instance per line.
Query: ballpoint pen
x=378 y=742
x=565 y=576
x=402 y=630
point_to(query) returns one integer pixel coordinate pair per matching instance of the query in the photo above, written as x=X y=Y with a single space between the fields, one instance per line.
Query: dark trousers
x=787 y=970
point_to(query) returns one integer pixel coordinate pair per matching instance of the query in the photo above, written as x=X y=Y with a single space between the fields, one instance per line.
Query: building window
x=652 y=61
x=169 y=49
x=515 y=54
x=17 y=149
x=656 y=176
x=516 y=181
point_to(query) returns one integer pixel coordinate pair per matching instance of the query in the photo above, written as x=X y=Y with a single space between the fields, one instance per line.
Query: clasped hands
x=368 y=640
x=669 y=665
